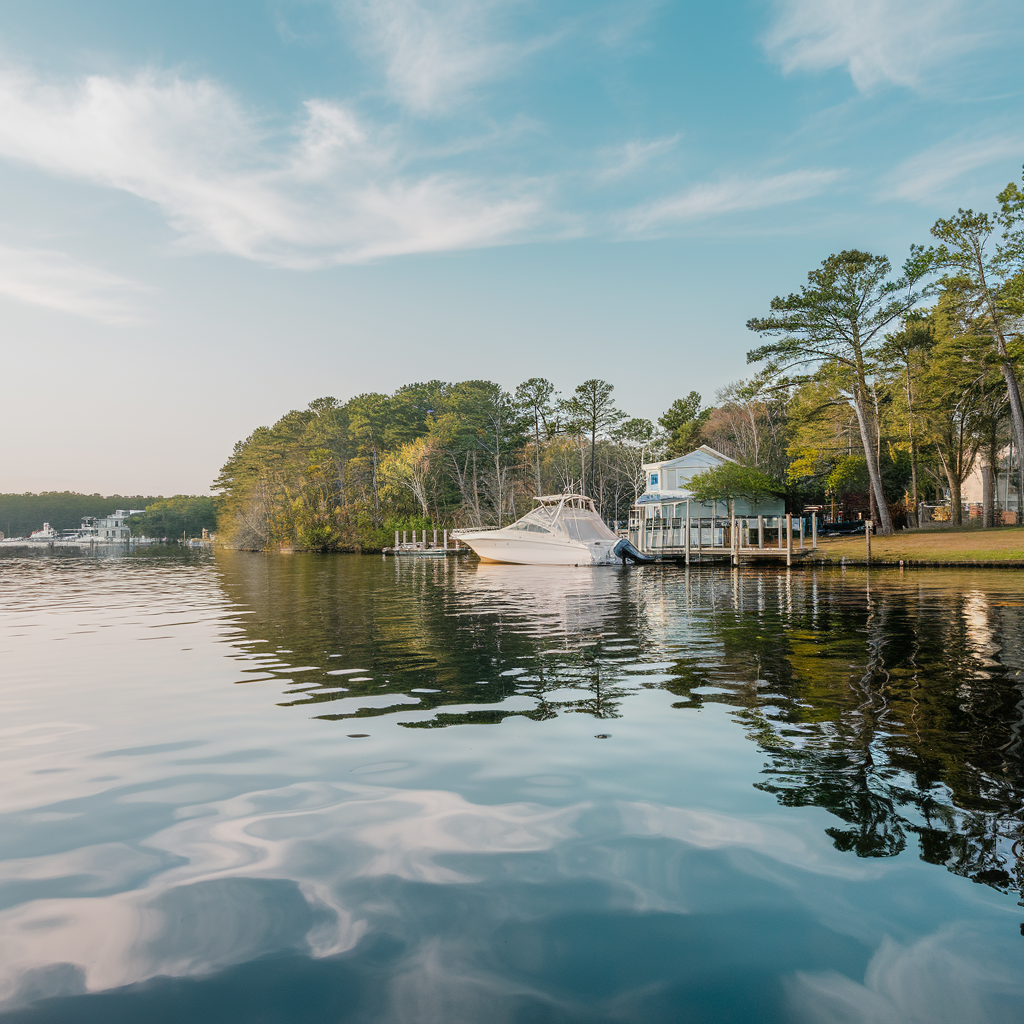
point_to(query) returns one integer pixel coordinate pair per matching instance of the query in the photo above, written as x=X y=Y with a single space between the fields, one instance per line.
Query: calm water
x=337 y=789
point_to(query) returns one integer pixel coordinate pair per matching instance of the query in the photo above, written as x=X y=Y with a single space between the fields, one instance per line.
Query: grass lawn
x=1001 y=544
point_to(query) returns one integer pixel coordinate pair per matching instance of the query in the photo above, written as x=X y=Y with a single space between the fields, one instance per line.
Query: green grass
x=1000 y=544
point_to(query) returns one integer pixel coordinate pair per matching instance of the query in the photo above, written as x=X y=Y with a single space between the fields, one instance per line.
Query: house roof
x=688 y=459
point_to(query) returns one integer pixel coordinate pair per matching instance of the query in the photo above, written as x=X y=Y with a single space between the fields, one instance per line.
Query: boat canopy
x=573 y=515
x=570 y=500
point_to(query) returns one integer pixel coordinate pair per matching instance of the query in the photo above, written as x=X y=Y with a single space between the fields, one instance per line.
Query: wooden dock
x=424 y=547
x=733 y=539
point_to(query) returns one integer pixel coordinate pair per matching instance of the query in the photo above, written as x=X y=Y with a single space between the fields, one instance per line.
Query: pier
x=734 y=539
x=424 y=547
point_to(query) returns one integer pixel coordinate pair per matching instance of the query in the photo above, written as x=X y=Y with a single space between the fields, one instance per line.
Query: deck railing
x=715 y=534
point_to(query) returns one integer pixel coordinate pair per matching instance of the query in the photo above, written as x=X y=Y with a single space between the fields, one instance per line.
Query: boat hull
x=493 y=547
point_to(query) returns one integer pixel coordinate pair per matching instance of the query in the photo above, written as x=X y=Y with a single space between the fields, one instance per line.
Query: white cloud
x=436 y=51
x=927 y=175
x=55 y=280
x=728 y=195
x=627 y=159
x=325 y=190
x=879 y=42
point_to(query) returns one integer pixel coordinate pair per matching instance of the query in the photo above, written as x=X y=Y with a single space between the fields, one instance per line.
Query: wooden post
x=405 y=536
x=789 y=538
x=396 y=538
x=687 y=549
x=435 y=536
x=734 y=540
x=814 y=531
x=868 y=526
x=446 y=540
x=801 y=533
x=760 y=531
x=778 y=519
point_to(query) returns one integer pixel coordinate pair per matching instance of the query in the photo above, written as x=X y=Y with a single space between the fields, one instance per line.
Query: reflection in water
x=896 y=702
x=896 y=708
x=788 y=758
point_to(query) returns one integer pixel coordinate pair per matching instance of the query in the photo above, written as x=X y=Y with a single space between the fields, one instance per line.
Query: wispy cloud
x=927 y=176
x=435 y=52
x=880 y=42
x=629 y=158
x=43 y=277
x=728 y=195
x=325 y=189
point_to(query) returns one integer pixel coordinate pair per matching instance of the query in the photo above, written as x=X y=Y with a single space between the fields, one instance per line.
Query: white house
x=667 y=493
x=111 y=529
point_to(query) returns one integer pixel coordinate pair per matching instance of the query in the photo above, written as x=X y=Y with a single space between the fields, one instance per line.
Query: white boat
x=564 y=529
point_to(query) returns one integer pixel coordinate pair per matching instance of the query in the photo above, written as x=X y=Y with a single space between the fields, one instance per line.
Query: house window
x=654 y=479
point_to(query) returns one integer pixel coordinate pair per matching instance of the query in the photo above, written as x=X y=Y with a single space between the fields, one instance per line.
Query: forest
x=872 y=390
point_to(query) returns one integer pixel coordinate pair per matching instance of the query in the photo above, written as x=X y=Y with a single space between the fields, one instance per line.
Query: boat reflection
x=893 y=701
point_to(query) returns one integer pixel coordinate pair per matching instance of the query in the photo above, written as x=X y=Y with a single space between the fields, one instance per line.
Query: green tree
x=837 y=320
x=683 y=422
x=536 y=398
x=730 y=481
x=183 y=515
x=988 y=267
x=595 y=411
x=368 y=424
x=905 y=356
x=956 y=393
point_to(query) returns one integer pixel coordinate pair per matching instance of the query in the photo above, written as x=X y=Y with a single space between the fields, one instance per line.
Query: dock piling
x=789 y=539
x=760 y=531
x=868 y=527
x=687 y=548
x=814 y=531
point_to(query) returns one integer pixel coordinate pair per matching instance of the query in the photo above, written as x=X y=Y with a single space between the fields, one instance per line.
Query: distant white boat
x=564 y=529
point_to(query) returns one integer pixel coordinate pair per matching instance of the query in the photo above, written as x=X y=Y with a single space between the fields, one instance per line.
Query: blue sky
x=215 y=212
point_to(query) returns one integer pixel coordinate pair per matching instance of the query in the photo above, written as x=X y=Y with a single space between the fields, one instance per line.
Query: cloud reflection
x=313 y=868
x=961 y=973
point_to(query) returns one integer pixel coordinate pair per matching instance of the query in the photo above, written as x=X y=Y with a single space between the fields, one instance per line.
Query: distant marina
x=95 y=531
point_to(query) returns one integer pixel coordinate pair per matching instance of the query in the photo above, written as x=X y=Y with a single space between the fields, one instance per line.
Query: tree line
x=875 y=390
x=900 y=383
x=346 y=475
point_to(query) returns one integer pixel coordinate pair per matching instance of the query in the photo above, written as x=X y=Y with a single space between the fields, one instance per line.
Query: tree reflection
x=461 y=638
x=893 y=702
x=897 y=709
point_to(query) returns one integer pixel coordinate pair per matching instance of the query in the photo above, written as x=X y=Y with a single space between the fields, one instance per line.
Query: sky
x=213 y=213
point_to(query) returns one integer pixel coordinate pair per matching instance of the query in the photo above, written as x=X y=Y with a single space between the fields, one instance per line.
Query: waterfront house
x=667 y=491
x=657 y=518
x=111 y=529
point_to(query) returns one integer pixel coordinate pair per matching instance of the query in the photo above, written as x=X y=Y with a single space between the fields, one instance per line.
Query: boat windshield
x=529 y=527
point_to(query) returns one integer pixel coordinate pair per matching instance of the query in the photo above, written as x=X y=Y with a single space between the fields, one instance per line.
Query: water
x=251 y=788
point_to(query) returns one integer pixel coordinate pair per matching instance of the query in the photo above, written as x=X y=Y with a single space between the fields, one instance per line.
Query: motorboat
x=564 y=529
